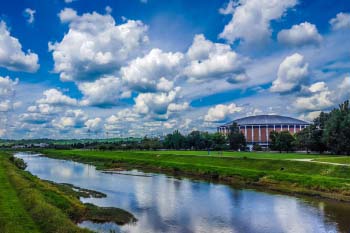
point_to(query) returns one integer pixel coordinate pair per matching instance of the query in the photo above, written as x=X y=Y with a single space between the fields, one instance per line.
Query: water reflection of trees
x=339 y=213
x=336 y=212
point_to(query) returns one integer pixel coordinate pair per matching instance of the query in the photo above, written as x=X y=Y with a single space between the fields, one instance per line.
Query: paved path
x=315 y=161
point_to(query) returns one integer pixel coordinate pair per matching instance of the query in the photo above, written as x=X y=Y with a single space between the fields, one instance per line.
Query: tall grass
x=13 y=216
x=37 y=198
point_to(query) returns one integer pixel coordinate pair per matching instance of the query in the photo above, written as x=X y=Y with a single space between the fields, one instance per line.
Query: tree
x=236 y=138
x=317 y=142
x=150 y=143
x=274 y=140
x=302 y=139
x=282 y=141
x=219 y=141
x=174 y=141
x=286 y=141
x=195 y=140
x=337 y=130
x=312 y=137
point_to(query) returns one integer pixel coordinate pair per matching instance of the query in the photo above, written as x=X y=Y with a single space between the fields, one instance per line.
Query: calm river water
x=166 y=204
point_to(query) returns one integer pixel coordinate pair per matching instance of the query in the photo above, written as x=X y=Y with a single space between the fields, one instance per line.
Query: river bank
x=164 y=203
x=293 y=177
x=29 y=204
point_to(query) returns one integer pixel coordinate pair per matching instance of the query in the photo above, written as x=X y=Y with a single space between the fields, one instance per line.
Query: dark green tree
x=219 y=141
x=282 y=141
x=302 y=139
x=312 y=137
x=274 y=137
x=150 y=143
x=286 y=141
x=337 y=130
x=236 y=138
x=174 y=141
x=195 y=140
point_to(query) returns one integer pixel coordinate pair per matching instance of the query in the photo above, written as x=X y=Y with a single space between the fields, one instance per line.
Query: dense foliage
x=236 y=138
x=282 y=141
x=329 y=132
x=18 y=162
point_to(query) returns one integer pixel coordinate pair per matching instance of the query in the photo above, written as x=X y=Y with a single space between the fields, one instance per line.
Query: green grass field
x=254 y=155
x=271 y=170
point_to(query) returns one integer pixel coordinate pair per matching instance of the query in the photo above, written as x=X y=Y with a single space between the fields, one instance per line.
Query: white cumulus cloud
x=95 y=45
x=300 y=35
x=94 y=124
x=11 y=55
x=153 y=72
x=319 y=98
x=7 y=87
x=71 y=119
x=221 y=112
x=343 y=92
x=310 y=116
x=251 y=19
x=7 y=95
x=341 y=21
x=158 y=105
x=67 y=15
x=214 y=60
x=292 y=72
x=56 y=97
x=103 y=92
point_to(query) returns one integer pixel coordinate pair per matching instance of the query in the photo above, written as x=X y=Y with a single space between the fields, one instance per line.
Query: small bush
x=257 y=147
x=18 y=162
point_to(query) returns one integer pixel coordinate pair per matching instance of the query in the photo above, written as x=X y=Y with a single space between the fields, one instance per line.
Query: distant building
x=40 y=145
x=257 y=129
x=18 y=147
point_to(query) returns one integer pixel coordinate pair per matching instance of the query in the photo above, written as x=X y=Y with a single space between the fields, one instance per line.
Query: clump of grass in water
x=108 y=214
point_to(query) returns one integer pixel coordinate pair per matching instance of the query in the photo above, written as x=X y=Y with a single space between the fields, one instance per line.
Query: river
x=166 y=204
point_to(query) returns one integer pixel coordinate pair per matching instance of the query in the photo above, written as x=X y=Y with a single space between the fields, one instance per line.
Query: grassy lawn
x=280 y=174
x=13 y=216
x=255 y=155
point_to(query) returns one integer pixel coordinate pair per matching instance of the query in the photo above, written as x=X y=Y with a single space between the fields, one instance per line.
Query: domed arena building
x=257 y=129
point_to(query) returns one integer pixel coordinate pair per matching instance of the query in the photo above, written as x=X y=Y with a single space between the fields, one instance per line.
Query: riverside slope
x=295 y=177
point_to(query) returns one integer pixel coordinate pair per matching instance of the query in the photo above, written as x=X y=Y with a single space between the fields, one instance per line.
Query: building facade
x=257 y=129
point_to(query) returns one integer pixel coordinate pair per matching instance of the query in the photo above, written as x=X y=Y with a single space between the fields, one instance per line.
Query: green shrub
x=18 y=162
x=257 y=147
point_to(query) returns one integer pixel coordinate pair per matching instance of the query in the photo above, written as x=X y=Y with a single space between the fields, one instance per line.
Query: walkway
x=315 y=161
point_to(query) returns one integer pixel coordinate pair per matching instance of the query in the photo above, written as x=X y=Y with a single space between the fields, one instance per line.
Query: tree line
x=329 y=132
x=195 y=140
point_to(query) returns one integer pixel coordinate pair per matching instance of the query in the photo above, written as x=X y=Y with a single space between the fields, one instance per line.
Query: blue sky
x=72 y=69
